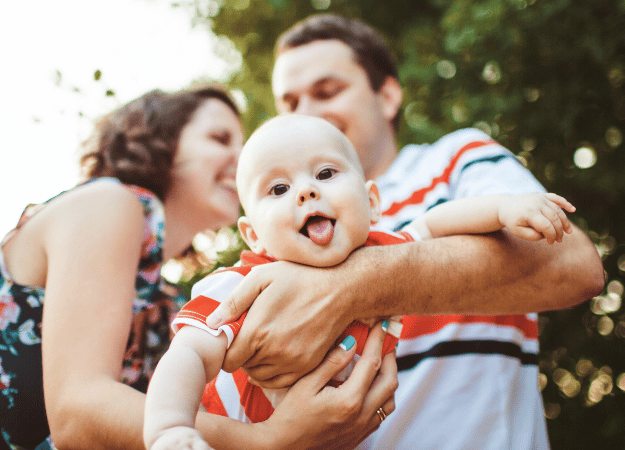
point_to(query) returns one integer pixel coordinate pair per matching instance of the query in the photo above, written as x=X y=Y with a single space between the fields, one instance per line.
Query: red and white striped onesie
x=230 y=394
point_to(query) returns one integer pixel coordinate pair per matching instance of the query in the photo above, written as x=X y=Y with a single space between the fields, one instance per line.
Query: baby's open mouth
x=319 y=229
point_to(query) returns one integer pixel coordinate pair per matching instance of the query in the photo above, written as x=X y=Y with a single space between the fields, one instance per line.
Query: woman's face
x=203 y=189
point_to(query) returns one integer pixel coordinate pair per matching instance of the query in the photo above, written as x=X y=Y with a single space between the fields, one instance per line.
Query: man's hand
x=293 y=307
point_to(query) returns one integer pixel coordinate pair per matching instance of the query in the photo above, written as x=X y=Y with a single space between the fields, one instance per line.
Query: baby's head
x=303 y=192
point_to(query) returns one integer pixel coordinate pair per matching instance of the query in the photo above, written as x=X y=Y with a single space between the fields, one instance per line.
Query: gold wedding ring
x=381 y=414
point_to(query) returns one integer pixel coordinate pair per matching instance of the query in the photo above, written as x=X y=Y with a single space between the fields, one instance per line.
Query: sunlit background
x=66 y=62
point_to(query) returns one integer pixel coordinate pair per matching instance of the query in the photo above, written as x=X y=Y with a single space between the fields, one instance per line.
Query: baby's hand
x=536 y=216
x=180 y=438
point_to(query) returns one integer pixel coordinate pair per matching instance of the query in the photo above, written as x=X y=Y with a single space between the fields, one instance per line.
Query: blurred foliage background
x=546 y=78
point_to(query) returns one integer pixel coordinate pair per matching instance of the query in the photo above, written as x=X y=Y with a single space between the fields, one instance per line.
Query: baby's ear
x=249 y=235
x=374 y=201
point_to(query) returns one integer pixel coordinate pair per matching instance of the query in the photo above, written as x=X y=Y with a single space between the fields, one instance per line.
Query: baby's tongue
x=320 y=230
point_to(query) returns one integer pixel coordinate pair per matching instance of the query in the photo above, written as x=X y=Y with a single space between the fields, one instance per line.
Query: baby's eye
x=279 y=189
x=325 y=174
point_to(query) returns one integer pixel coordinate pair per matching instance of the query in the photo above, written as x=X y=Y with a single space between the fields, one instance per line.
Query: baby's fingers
x=552 y=213
x=526 y=232
x=557 y=203
x=544 y=224
x=561 y=202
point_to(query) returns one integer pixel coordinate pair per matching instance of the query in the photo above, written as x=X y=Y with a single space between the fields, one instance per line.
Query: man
x=467 y=380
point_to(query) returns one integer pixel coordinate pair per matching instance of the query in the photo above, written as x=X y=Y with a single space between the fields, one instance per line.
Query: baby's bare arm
x=175 y=392
x=528 y=216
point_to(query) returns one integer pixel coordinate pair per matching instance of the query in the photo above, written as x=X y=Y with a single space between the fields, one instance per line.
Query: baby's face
x=304 y=193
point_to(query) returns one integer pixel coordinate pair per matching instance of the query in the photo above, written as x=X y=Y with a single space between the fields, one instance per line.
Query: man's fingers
x=239 y=301
x=278 y=382
x=237 y=355
x=264 y=376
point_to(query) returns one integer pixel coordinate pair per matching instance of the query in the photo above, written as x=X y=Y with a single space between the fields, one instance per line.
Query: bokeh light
x=492 y=73
x=531 y=94
x=615 y=287
x=459 y=113
x=600 y=386
x=620 y=382
x=585 y=157
x=583 y=367
x=542 y=381
x=483 y=126
x=528 y=144
x=446 y=69
x=613 y=137
x=320 y=5
x=605 y=326
x=552 y=410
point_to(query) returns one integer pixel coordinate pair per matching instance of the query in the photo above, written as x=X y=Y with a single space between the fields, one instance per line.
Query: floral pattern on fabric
x=23 y=423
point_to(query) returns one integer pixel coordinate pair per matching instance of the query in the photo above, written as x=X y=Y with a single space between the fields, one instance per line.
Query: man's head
x=341 y=70
x=304 y=193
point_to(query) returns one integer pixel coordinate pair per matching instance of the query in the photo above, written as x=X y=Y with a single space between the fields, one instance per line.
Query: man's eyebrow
x=316 y=84
x=326 y=79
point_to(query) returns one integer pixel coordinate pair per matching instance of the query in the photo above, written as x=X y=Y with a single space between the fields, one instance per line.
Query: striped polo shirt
x=465 y=381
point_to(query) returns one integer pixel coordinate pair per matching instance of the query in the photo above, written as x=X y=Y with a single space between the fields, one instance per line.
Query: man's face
x=323 y=79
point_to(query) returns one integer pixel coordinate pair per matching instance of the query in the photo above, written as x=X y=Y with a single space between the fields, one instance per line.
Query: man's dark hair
x=370 y=50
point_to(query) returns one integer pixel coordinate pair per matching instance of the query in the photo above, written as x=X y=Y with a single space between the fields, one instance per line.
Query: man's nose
x=305 y=106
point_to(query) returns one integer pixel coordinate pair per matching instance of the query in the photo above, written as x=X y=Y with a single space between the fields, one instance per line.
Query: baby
x=306 y=201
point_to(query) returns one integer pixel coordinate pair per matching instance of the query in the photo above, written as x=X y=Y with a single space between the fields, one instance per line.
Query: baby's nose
x=308 y=193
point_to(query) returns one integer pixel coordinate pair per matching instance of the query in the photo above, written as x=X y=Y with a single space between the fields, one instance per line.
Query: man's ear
x=391 y=95
x=249 y=235
x=374 y=201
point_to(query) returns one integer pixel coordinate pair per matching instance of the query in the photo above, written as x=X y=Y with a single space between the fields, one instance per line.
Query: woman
x=160 y=170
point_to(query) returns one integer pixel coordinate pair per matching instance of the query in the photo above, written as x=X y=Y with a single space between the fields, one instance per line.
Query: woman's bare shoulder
x=77 y=219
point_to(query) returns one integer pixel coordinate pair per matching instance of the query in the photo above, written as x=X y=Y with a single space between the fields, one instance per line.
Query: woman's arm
x=93 y=241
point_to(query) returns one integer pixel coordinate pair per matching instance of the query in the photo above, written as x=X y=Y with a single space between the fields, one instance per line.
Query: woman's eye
x=222 y=138
x=325 y=174
x=279 y=189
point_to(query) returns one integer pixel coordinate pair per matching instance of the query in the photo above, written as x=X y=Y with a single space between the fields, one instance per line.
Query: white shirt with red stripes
x=465 y=382
x=230 y=394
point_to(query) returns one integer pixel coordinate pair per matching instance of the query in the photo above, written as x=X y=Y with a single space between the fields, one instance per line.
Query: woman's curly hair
x=137 y=142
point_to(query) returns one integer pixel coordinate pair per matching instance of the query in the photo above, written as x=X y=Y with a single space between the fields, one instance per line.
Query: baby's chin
x=323 y=259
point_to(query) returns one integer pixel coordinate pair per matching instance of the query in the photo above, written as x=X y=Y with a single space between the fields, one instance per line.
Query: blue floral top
x=23 y=421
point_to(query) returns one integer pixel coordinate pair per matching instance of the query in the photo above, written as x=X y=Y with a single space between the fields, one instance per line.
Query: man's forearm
x=491 y=274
